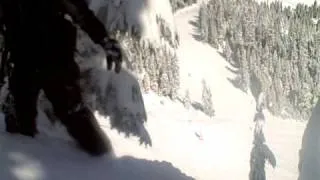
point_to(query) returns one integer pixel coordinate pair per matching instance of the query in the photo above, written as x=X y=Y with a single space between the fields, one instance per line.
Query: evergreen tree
x=227 y=52
x=207 y=99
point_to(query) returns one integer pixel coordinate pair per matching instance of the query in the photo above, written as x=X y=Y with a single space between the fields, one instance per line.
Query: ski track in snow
x=177 y=153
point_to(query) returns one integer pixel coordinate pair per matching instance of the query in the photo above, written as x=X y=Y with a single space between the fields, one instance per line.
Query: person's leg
x=24 y=88
x=63 y=90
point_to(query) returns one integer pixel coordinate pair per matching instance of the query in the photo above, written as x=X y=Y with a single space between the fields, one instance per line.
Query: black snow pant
x=58 y=75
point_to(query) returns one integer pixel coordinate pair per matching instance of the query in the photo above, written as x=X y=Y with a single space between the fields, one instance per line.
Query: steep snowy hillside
x=200 y=62
x=232 y=107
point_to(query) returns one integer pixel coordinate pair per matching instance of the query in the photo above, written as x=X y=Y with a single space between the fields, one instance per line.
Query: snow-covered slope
x=51 y=155
x=186 y=145
x=199 y=61
x=234 y=110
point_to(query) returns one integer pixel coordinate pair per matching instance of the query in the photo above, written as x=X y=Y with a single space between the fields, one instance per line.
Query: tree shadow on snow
x=234 y=71
x=45 y=158
x=232 y=63
x=234 y=68
x=234 y=82
x=196 y=29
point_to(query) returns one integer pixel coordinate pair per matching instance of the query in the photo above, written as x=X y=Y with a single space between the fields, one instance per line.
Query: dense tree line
x=156 y=65
x=275 y=48
x=179 y=4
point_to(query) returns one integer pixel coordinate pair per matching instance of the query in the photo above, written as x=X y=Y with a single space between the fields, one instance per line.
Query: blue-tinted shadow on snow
x=197 y=35
x=47 y=158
